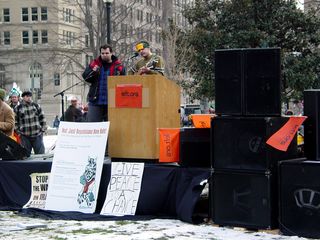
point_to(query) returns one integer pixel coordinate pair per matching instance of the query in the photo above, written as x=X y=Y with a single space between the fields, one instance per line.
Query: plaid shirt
x=30 y=120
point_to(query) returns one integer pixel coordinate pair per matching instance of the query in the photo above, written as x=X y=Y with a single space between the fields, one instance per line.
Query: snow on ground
x=16 y=226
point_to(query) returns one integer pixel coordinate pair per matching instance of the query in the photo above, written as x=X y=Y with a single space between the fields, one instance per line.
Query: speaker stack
x=244 y=185
x=300 y=179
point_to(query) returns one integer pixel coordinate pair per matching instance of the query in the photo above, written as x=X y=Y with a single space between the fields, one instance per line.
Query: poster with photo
x=77 y=166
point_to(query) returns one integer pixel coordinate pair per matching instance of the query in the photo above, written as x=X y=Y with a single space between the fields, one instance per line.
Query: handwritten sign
x=283 y=137
x=123 y=189
x=129 y=96
x=39 y=187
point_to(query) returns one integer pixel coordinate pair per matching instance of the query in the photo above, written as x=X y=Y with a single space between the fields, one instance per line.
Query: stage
x=166 y=190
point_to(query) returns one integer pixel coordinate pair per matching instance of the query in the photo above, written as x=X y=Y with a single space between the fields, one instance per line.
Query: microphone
x=136 y=54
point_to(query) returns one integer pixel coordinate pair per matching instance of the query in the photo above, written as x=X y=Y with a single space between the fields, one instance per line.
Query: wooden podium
x=133 y=132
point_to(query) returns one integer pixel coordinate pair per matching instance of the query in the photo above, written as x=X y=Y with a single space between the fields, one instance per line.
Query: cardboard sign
x=123 y=189
x=129 y=96
x=283 y=137
x=39 y=187
x=169 y=145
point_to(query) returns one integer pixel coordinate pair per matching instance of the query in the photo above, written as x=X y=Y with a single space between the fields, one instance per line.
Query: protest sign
x=123 y=189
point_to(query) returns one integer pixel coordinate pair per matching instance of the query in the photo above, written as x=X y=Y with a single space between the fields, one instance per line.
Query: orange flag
x=202 y=120
x=169 y=139
x=283 y=137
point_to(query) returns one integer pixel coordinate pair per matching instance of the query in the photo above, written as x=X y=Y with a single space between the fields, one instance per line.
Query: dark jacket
x=73 y=114
x=92 y=77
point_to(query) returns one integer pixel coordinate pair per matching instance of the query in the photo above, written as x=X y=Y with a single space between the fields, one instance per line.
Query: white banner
x=39 y=187
x=77 y=166
x=123 y=189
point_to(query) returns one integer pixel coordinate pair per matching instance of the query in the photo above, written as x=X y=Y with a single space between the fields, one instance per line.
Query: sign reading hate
x=123 y=189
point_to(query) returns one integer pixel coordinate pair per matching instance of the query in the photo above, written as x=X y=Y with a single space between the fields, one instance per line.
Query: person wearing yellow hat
x=6 y=115
x=149 y=63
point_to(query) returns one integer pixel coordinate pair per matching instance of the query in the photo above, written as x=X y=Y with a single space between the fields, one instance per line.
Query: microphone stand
x=62 y=97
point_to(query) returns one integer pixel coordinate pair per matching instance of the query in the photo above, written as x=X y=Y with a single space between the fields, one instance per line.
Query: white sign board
x=123 y=189
x=77 y=166
x=39 y=187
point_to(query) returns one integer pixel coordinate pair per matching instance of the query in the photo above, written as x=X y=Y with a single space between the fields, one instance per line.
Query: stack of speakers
x=300 y=179
x=244 y=187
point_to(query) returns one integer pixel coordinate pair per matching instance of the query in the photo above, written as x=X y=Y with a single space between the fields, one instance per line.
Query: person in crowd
x=107 y=64
x=149 y=63
x=14 y=98
x=73 y=113
x=30 y=124
x=6 y=115
x=56 y=122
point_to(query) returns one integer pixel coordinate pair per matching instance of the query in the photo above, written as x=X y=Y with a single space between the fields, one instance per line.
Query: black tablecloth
x=166 y=190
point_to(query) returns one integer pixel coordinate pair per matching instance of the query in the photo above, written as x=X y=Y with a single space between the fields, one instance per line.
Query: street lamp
x=108 y=13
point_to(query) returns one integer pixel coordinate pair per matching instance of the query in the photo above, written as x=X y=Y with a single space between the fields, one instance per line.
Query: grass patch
x=92 y=231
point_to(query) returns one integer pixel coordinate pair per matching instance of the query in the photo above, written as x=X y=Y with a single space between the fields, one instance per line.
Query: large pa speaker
x=239 y=143
x=247 y=82
x=10 y=150
x=246 y=200
x=195 y=147
x=312 y=124
x=299 y=190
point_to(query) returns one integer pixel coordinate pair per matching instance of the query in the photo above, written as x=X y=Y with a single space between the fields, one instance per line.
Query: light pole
x=108 y=13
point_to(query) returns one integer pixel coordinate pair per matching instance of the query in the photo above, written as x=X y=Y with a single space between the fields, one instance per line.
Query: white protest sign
x=77 y=166
x=123 y=189
x=39 y=187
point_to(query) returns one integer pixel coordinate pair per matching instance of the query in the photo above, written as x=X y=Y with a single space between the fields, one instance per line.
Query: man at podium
x=149 y=63
x=96 y=74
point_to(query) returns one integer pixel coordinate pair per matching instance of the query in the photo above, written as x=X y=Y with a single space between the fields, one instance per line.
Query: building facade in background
x=45 y=45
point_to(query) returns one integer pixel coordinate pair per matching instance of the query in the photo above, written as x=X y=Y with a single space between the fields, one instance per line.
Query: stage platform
x=166 y=190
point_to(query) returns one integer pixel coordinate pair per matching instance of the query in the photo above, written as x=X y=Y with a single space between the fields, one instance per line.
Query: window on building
x=88 y=3
x=36 y=75
x=88 y=60
x=34 y=14
x=2 y=75
x=6 y=38
x=69 y=37
x=69 y=71
x=35 y=37
x=44 y=13
x=25 y=14
x=44 y=36
x=0 y=38
x=67 y=15
x=123 y=29
x=25 y=37
x=87 y=40
x=139 y=15
x=56 y=79
x=6 y=15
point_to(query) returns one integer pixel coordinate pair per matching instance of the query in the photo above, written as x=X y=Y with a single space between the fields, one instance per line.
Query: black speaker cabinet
x=10 y=150
x=246 y=200
x=195 y=147
x=312 y=124
x=299 y=198
x=247 y=82
x=239 y=143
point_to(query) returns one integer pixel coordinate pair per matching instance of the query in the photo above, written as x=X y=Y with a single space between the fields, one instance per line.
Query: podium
x=133 y=132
